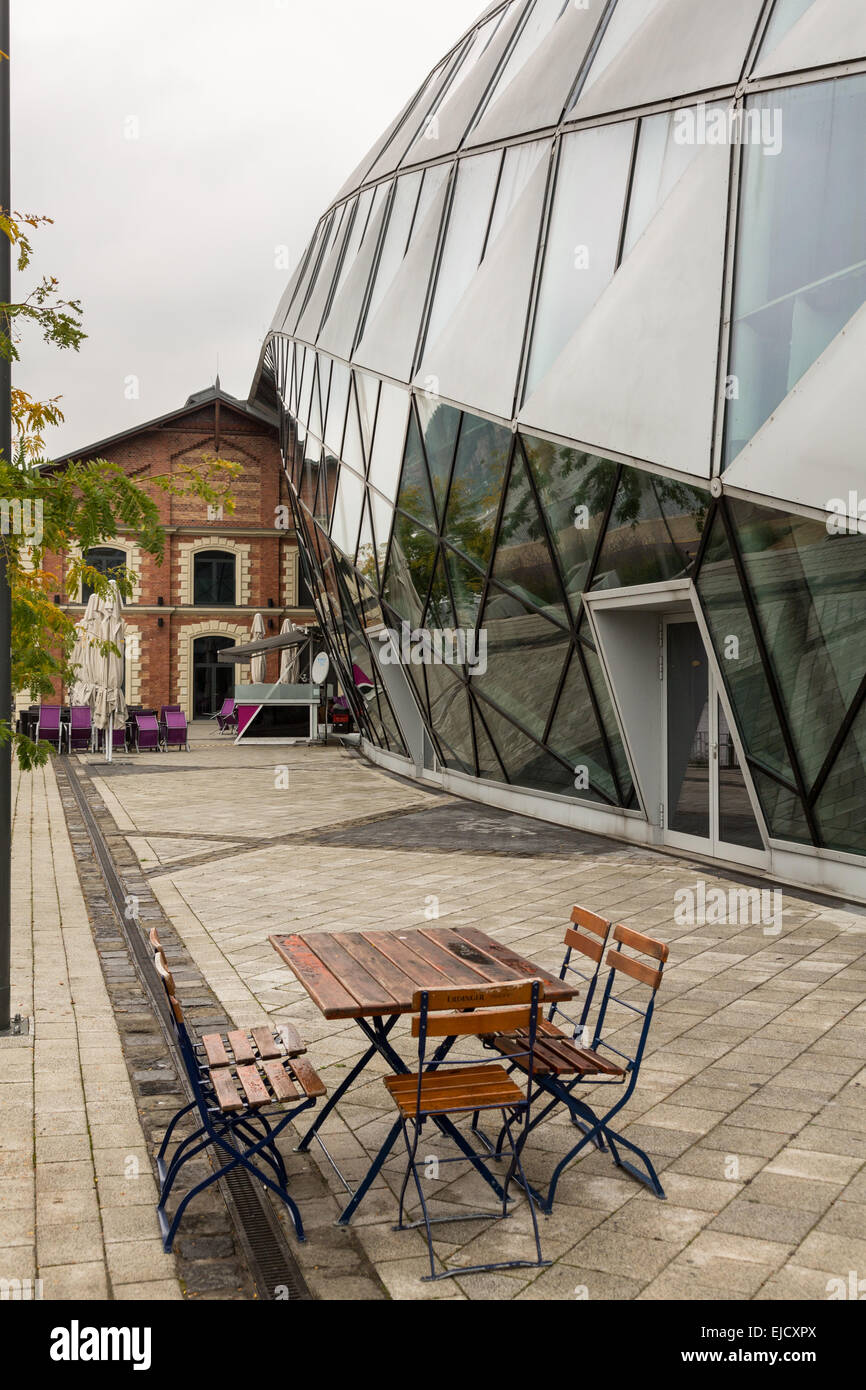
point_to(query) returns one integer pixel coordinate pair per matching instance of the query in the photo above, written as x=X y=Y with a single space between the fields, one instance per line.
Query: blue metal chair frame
x=562 y=1091
x=510 y=1117
x=243 y=1135
x=377 y=1032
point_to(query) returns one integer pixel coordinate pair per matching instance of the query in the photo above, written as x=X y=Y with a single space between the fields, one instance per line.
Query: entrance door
x=212 y=683
x=707 y=806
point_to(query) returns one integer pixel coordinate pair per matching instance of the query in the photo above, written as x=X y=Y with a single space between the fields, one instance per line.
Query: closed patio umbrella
x=290 y=664
x=84 y=655
x=259 y=663
x=109 y=706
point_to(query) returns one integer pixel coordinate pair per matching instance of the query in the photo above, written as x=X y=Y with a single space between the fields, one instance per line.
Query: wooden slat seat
x=460 y=1088
x=243 y=1049
x=271 y=1081
x=556 y=1054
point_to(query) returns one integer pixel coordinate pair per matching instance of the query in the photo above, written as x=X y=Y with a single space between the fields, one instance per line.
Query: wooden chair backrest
x=644 y=945
x=589 y=922
x=167 y=978
x=494 y=1009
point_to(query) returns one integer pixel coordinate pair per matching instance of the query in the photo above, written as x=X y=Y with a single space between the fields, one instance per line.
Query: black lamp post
x=5 y=599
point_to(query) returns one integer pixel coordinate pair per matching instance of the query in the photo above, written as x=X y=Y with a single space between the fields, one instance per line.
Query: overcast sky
x=177 y=144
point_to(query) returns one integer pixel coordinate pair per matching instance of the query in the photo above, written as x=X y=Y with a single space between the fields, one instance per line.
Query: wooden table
x=371 y=977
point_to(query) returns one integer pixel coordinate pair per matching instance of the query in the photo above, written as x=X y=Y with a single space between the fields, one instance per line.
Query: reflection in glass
x=414 y=496
x=347 y=511
x=654 y=531
x=410 y=568
x=575 y=491
x=440 y=424
x=737 y=824
x=523 y=561
x=801 y=257
x=688 y=731
x=808 y=590
x=841 y=807
x=476 y=488
x=526 y=658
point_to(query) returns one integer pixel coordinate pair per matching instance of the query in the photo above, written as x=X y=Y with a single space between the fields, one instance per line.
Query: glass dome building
x=570 y=382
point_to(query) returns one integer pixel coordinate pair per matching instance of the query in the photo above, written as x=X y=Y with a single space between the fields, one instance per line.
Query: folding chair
x=448 y=1088
x=559 y=1050
x=174 y=731
x=146 y=733
x=276 y=1083
x=591 y=1067
x=80 y=729
x=227 y=717
x=49 y=727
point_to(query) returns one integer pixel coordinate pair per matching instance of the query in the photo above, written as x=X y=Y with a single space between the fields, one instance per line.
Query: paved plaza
x=752 y=1099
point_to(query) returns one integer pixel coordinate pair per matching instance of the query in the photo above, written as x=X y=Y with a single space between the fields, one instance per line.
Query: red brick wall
x=163 y=450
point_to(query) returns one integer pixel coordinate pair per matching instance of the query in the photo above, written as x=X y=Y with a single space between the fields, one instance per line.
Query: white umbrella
x=258 y=664
x=83 y=653
x=109 y=704
x=290 y=663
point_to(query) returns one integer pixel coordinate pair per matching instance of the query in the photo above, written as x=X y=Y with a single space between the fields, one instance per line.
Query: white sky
x=251 y=115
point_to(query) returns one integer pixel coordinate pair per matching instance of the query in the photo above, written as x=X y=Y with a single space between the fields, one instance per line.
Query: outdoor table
x=371 y=977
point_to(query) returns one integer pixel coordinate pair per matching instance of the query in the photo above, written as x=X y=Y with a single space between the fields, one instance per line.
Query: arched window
x=214 y=582
x=107 y=560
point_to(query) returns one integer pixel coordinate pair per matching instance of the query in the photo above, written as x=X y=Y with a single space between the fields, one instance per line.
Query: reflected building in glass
x=572 y=367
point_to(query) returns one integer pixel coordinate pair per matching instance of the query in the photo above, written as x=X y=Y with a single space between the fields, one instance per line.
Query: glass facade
x=494 y=535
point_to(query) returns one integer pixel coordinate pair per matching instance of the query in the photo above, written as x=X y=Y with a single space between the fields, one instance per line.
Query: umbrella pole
x=109 y=738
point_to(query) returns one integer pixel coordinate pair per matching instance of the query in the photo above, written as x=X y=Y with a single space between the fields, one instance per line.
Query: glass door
x=706 y=803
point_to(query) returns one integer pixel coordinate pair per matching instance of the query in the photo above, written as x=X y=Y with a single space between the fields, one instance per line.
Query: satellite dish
x=321 y=668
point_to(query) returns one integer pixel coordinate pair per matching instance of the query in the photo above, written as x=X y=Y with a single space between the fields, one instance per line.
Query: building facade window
x=214 y=579
x=106 y=560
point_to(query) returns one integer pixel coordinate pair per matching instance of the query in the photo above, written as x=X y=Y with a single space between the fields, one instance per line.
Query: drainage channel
x=272 y=1265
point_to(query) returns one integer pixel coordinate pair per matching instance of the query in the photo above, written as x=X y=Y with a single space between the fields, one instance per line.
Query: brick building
x=218 y=570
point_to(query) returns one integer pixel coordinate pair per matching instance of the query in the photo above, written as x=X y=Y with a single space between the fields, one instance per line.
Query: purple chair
x=146 y=733
x=175 y=733
x=48 y=725
x=80 y=729
x=227 y=717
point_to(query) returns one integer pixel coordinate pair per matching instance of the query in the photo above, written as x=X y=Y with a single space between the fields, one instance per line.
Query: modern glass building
x=571 y=379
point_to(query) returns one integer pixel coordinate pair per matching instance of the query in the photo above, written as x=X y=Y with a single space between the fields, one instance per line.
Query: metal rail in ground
x=272 y=1265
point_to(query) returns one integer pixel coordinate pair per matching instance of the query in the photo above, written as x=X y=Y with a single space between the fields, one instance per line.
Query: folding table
x=372 y=976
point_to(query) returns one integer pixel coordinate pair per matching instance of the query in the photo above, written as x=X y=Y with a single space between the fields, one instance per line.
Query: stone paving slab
x=62 y=1095
x=753 y=1084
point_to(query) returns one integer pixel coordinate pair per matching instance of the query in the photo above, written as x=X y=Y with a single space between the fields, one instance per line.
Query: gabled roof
x=210 y=396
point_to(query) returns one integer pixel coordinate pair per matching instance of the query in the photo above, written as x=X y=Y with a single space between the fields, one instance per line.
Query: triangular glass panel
x=414 y=495
x=609 y=721
x=841 y=809
x=338 y=400
x=739 y=657
x=353 y=449
x=367 y=392
x=806 y=585
x=409 y=570
x=576 y=737
x=440 y=613
x=366 y=562
x=316 y=427
x=654 y=531
x=521 y=660
x=346 y=521
x=452 y=718
x=489 y=766
x=526 y=764
x=382 y=514
x=483 y=452
x=440 y=424
x=523 y=561
x=783 y=809
x=575 y=491
x=467 y=585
